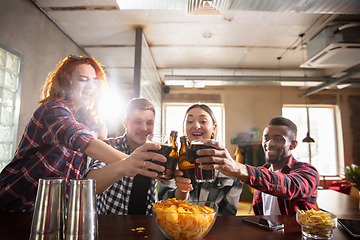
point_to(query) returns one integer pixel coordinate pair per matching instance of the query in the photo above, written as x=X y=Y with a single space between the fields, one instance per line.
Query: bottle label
x=186 y=165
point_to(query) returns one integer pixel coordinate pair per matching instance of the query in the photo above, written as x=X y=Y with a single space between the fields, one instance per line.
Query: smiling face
x=277 y=143
x=83 y=85
x=199 y=124
x=138 y=124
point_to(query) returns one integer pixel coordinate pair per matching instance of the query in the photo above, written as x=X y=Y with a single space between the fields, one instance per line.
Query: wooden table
x=17 y=226
x=337 y=202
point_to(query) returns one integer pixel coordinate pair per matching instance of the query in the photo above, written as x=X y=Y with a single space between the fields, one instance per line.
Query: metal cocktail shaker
x=49 y=213
x=81 y=221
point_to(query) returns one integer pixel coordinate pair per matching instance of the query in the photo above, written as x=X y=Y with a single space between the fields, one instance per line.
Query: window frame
x=17 y=97
x=339 y=159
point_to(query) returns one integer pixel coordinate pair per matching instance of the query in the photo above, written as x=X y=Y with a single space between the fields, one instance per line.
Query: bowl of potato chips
x=316 y=224
x=185 y=220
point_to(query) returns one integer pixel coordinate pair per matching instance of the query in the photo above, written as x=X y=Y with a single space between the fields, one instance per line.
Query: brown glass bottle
x=173 y=158
x=186 y=163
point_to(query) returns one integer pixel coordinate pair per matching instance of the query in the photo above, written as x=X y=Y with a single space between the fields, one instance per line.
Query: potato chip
x=183 y=220
x=315 y=218
x=316 y=222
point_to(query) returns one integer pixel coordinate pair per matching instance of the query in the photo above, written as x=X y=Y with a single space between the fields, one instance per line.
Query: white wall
x=24 y=28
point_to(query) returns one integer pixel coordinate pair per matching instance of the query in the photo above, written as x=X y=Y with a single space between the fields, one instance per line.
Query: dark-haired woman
x=200 y=123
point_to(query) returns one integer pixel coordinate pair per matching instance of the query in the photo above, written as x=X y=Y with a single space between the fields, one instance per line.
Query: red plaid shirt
x=295 y=187
x=52 y=146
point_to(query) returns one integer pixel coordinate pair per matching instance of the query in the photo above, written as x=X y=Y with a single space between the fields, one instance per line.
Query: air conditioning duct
x=336 y=46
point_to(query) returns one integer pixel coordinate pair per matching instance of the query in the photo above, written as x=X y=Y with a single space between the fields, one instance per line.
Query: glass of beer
x=165 y=142
x=201 y=174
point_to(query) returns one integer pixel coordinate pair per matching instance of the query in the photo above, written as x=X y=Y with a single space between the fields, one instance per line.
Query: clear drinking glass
x=166 y=146
x=201 y=174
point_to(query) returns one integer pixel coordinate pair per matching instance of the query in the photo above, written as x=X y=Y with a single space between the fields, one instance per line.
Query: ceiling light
x=341 y=86
x=194 y=84
x=281 y=97
x=151 y=5
x=307 y=139
x=199 y=84
x=188 y=84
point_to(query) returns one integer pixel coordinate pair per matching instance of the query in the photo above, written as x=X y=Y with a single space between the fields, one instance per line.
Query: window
x=324 y=153
x=10 y=69
x=174 y=114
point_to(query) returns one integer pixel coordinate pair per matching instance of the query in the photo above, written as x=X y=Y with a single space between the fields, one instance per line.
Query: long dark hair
x=207 y=109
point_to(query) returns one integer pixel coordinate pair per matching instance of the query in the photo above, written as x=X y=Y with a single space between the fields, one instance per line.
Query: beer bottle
x=173 y=158
x=186 y=162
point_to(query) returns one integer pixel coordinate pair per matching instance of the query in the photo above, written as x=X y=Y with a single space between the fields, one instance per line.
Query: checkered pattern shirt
x=295 y=187
x=224 y=191
x=52 y=145
x=115 y=200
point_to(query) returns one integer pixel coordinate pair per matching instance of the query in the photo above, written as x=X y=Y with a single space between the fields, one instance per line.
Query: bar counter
x=17 y=225
x=337 y=202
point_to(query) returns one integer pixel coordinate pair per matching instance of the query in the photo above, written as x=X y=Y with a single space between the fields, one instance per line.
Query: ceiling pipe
x=246 y=78
x=330 y=83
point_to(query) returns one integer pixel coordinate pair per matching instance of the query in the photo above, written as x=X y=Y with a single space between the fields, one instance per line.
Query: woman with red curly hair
x=58 y=139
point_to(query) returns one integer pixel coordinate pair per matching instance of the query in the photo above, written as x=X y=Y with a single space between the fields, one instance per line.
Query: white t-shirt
x=270 y=204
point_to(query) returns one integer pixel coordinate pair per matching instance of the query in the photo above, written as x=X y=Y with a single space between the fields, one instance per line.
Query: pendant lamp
x=307 y=139
x=279 y=58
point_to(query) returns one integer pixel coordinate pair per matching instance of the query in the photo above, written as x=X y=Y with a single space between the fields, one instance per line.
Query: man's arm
x=301 y=182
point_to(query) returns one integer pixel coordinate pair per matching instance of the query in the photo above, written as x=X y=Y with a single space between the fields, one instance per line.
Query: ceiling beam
x=330 y=83
x=247 y=78
x=83 y=8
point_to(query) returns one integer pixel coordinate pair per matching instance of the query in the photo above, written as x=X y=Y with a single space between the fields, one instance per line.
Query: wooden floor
x=244 y=208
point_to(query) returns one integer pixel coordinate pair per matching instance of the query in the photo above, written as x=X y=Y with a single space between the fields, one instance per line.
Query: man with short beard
x=127 y=195
x=282 y=185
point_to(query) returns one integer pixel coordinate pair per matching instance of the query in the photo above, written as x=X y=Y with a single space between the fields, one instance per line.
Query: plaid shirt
x=295 y=186
x=115 y=200
x=51 y=146
x=224 y=191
